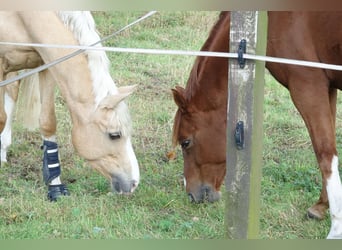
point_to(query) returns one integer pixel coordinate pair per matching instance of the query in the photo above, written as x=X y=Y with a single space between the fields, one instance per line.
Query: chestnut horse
x=101 y=131
x=200 y=121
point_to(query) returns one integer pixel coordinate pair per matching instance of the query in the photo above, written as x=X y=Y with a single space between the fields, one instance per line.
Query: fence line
x=152 y=51
x=184 y=53
x=59 y=60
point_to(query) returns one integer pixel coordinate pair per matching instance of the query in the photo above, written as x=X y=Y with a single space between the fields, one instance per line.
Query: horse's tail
x=29 y=105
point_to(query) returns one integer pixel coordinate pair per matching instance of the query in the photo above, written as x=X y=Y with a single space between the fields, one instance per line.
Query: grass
x=159 y=209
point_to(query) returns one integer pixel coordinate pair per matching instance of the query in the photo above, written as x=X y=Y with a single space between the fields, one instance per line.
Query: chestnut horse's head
x=201 y=135
x=200 y=122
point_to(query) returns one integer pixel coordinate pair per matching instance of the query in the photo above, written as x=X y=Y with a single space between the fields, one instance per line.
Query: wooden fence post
x=244 y=126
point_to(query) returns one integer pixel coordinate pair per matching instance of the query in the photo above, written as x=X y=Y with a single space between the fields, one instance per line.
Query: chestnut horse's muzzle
x=203 y=194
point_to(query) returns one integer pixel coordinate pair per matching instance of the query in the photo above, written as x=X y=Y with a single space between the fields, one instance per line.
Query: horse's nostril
x=134 y=185
x=206 y=193
x=116 y=186
x=191 y=197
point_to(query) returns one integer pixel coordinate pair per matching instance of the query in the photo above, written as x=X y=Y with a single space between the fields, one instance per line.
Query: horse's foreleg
x=316 y=103
x=334 y=186
x=47 y=121
x=334 y=190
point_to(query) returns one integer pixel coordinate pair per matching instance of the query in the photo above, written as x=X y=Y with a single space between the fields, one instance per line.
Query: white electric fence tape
x=64 y=58
x=81 y=49
x=183 y=52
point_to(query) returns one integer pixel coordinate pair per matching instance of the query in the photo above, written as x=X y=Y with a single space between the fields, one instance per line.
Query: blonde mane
x=82 y=25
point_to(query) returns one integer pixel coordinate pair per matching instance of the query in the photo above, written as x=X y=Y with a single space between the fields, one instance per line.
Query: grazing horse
x=200 y=121
x=101 y=131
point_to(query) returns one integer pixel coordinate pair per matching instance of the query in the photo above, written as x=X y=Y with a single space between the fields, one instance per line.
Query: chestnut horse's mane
x=193 y=83
x=209 y=45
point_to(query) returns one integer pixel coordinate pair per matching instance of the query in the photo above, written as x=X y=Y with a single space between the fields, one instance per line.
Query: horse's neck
x=82 y=25
x=209 y=76
x=218 y=41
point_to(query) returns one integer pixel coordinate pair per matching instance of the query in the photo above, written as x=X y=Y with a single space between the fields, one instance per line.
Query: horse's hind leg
x=8 y=99
x=3 y=119
x=3 y=116
x=316 y=103
x=47 y=121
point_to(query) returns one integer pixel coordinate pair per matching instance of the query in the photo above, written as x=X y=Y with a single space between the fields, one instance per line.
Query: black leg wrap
x=51 y=170
x=56 y=191
x=51 y=167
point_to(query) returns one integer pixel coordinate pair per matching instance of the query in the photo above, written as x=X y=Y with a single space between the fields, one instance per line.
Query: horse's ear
x=111 y=101
x=179 y=97
x=127 y=89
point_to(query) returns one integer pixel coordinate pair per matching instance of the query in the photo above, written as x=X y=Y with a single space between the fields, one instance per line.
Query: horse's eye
x=114 y=135
x=185 y=144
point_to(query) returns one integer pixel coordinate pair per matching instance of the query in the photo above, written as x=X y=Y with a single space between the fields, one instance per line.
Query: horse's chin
x=120 y=183
x=204 y=194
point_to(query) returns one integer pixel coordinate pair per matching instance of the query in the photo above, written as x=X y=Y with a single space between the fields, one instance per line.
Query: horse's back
x=310 y=36
x=12 y=29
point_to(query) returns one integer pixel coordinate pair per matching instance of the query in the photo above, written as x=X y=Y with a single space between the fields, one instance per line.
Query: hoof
x=56 y=191
x=314 y=214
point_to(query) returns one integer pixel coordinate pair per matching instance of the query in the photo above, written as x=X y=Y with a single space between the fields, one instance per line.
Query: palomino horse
x=200 y=122
x=101 y=130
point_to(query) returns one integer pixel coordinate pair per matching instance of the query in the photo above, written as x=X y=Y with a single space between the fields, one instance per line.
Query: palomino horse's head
x=201 y=135
x=104 y=140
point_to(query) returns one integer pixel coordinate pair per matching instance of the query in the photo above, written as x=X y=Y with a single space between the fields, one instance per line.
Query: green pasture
x=159 y=209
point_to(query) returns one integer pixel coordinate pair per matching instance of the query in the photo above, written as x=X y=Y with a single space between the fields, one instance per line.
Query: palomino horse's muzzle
x=203 y=194
x=123 y=186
